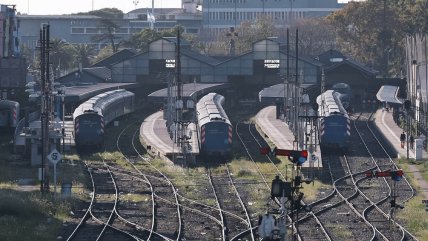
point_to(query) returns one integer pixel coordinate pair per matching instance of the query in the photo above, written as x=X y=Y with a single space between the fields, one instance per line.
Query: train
x=91 y=117
x=9 y=115
x=333 y=122
x=346 y=93
x=215 y=130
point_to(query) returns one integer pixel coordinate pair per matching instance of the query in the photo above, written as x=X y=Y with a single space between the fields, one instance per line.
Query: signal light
x=395 y=175
x=297 y=157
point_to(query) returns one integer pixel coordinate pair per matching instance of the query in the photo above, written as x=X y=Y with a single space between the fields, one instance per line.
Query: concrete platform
x=280 y=134
x=155 y=137
x=391 y=131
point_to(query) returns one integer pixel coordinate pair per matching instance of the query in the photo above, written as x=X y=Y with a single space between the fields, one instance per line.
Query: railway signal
x=396 y=175
x=295 y=156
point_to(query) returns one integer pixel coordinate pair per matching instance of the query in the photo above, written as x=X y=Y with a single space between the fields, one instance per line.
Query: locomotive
x=334 y=123
x=214 y=128
x=91 y=117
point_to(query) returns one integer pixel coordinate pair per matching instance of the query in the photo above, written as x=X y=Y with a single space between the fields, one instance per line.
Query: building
x=211 y=16
x=81 y=29
x=220 y=15
x=13 y=68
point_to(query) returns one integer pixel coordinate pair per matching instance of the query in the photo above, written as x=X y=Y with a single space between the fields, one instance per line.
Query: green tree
x=102 y=54
x=108 y=26
x=82 y=54
x=249 y=32
x=61 y=56
x=141 y=40
x=315 y=35
x=370 y=32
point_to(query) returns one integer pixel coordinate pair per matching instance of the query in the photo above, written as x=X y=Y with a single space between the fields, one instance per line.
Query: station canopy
x=388 y=93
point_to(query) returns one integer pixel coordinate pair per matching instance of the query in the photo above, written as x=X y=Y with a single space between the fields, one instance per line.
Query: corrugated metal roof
x=276 y=93
x=103 y=73
x=189 y=91
x=388 y=93
x=119 y=56
x=202 y=58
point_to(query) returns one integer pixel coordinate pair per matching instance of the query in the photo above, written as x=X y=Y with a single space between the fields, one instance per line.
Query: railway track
x=168 y=213
x=378 y=193
x=357 y=202
x=252 y=141
x=233 y=211
x=100 y=221
x=197 y=220
x=363 y=197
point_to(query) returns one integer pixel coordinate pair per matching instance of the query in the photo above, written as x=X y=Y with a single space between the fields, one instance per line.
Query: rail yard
x=135 y=197
x=185 y=124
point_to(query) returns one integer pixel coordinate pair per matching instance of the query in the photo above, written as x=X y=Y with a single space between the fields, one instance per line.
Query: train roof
x=329 y=103
x=8 y=103
x=97 y=103
x=210 y=109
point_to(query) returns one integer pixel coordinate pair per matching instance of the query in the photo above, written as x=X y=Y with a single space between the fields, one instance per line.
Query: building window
x=192 y=30
x=136 y=30
x=91 y=30
x=77 y=30
x=122 y=31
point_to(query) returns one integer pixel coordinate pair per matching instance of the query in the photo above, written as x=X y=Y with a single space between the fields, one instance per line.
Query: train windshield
x=218 y=132
x=90 y=123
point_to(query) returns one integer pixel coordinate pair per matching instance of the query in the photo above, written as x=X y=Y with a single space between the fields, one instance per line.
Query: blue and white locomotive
x=9 y=115
x=334 y=123
x=214 y=128
x=91 y=117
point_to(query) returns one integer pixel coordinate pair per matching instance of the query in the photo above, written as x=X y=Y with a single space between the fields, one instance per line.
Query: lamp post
x=407 y=104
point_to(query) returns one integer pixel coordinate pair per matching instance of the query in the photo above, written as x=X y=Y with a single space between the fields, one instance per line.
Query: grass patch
x=313 y=190
x=38 y=217
x=415 y=217
x=27 y=215
x=132 y=197
x=342 y=232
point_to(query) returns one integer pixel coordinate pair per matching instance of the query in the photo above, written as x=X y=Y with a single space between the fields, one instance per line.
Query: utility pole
x=45 y=104
x=287 y=76
x=178 y=101
x=296 y=90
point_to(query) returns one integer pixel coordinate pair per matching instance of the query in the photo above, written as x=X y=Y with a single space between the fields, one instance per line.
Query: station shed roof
x=275 y=93
x=388 y=93
x=80 y=93
x=190 y=91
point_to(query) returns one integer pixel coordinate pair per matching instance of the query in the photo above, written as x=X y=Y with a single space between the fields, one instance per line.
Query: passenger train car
x=334 y=123
x=91 y=117
x=9 y=115
x=346 y=93
x=214 y=128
